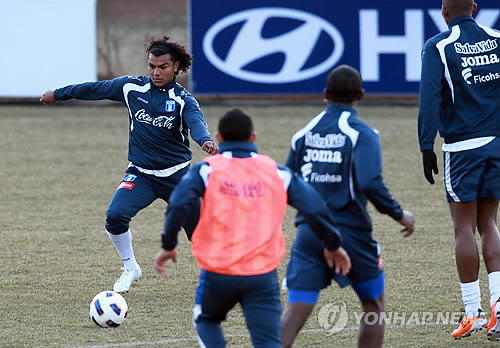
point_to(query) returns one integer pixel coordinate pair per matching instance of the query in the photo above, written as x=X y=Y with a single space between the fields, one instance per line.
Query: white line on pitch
x=184 y=339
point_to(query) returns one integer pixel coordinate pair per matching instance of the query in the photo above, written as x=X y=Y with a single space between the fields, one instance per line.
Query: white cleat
x=122 y=284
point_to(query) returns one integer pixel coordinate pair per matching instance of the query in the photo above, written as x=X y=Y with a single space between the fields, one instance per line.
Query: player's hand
x=429 y=161
x=408 y=223
x=210 y=147
x=338 y=259
x=48 y=98
x=162 y=257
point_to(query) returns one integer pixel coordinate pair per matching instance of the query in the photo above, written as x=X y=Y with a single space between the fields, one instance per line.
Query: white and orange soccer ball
x=108 y=309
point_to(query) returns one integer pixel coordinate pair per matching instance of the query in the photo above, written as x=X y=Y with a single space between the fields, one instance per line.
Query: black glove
x=429 y=161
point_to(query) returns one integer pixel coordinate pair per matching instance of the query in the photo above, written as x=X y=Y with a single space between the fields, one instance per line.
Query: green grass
x=59 y=167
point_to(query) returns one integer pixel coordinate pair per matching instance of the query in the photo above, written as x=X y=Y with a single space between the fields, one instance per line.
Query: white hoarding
x=45 y=45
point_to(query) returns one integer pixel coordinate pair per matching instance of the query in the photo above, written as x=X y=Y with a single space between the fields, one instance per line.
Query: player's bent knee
x=116 y=224
x=117 y=219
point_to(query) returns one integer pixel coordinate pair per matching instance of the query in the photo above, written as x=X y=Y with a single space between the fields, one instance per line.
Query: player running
x=340 y=157
x=238 y=242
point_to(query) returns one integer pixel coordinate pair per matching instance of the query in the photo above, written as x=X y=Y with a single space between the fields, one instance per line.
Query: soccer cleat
x=128 y=276
x=493 y=331
x=469 y=325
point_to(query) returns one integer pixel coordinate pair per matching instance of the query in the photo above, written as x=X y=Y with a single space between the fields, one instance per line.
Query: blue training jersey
x=460 y=84
x=159 y=118
x=340 y=156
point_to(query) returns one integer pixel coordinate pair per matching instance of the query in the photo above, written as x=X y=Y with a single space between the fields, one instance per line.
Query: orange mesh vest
x=239 y=231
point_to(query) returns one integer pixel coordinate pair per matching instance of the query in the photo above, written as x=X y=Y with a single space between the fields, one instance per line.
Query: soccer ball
x=108 y=309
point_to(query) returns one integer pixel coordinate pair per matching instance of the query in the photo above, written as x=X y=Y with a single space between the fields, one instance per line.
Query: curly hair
x=159 y=47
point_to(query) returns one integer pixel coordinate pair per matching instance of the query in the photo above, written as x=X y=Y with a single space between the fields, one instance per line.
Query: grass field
x=59 y=167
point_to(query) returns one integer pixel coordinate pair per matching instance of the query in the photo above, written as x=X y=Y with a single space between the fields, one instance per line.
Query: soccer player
x=460 y=97
x=238 y=242
x=161 y=114
x=340 y=156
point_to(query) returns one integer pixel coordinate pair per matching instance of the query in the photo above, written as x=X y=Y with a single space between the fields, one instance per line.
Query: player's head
x=166 y=59
x=456 y=8
x=235 y=125
x=344 y=86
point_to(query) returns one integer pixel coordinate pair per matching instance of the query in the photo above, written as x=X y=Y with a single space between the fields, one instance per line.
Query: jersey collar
x=238 y=148
x=340 y=107
x=457 y=20
x=167 y=87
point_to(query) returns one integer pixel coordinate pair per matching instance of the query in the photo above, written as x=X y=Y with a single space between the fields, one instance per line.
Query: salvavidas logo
x=249 y=45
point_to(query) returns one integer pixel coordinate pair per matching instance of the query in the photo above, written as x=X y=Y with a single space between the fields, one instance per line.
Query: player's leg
x=216 y=295
x=464 y=216
x=367 y=280
x=133 y=194
x=261 y=306
x=490 y=242
x=490 y=238
x=463 y=173
x=371 y=333
x=307 y=273
x=372 y=325
x=487 y=228
x=299 y=308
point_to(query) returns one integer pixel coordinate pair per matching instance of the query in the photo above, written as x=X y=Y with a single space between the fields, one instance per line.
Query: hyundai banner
x=288 y=47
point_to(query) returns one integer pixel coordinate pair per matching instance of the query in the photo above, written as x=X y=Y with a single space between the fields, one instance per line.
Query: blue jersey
x=159 y=118
x=460 y=84
x=340 y=156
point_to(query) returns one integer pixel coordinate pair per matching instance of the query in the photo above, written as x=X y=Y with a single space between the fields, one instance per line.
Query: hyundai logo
x=297 y=45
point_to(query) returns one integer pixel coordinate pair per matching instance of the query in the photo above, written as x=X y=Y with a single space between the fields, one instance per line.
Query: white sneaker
x=128 y=276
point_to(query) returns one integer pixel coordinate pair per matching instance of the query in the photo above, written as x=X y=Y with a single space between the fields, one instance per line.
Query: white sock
x=471 y=295
x=123 y=244
x=494 y=280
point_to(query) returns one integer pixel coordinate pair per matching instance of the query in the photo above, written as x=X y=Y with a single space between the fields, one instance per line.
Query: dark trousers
x=137 y=191
x=258 y=296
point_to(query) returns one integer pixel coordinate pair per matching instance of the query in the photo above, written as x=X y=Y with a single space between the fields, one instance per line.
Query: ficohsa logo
x=297 y=45
x=333 y=317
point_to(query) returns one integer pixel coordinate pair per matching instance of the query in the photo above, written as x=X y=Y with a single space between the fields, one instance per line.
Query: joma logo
x=480 y=60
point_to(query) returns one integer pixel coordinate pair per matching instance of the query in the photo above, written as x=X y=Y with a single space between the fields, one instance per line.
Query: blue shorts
x=307 y=270
x=137 y=191
x=473 y=174
x=259 y=297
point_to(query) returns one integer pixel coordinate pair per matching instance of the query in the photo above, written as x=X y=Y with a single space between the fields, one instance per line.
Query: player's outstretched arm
x=48 y=98
x=195 y=121
x=408 y=223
